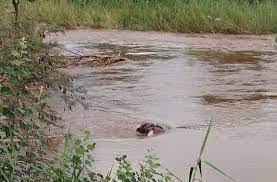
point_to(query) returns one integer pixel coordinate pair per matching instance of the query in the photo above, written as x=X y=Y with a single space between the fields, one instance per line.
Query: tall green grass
x=197 y=16
x=200 y=161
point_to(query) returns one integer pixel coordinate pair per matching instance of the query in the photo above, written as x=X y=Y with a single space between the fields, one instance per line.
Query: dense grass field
x=198 y=16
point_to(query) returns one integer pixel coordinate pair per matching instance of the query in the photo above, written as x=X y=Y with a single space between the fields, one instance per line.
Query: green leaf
x=25 y=73
x=91 y=147
x=108 y=176
x=78 y=142
x=15 y=54
x=206 y=138
x=4 y=175
x=200 y=168
x=35 y=105
x=80 y=150
x=28 y=112
x=6 y=90
x=86 y=134
x=76 y=159
x=220 y=171
x=8 y=113
x=14 y=80
x=194 y=172
x=190 y=173
x=17 y=62
x=80 y=172
x=7 y=69
x=88 y=162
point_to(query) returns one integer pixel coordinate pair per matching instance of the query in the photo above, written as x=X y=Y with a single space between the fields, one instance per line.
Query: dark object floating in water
x=149 y=129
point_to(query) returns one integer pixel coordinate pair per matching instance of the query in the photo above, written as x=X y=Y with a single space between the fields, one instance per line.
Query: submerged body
x=149 y=129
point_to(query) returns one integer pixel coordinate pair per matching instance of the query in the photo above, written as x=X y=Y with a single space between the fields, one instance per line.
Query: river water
x=180 y=80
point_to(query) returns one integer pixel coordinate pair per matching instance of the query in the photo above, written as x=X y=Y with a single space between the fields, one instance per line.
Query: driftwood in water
x=104 y=61
x=92 y=60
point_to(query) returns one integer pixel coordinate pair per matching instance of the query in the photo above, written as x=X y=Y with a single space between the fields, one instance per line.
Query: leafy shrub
x=74 y=162
x=27 y=71
x=149 y=171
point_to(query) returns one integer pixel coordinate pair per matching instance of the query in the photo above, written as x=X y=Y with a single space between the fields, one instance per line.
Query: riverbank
x=187 y=16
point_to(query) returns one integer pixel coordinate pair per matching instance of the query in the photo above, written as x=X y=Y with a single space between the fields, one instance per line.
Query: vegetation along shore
x=190 y=16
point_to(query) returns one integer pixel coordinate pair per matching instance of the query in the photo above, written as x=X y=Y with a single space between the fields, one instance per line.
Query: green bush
x=27 y=72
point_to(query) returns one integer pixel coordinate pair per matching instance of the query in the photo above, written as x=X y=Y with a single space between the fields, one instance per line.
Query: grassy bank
x=198 y=16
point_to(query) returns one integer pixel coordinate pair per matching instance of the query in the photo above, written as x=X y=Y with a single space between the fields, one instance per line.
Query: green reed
x=197 y=16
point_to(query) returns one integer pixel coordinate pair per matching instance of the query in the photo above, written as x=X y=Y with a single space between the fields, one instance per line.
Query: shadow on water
x=243 y=74
x=233 y=57
x=231 y=61
x=214 y=99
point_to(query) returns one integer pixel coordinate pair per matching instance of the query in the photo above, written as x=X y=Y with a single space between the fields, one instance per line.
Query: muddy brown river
x=180 y=80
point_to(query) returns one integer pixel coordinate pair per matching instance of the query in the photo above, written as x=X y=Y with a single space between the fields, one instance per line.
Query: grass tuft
x=197 y=16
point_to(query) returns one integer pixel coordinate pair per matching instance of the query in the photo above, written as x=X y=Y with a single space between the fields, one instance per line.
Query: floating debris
x=104 y=61
x=91 y=60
